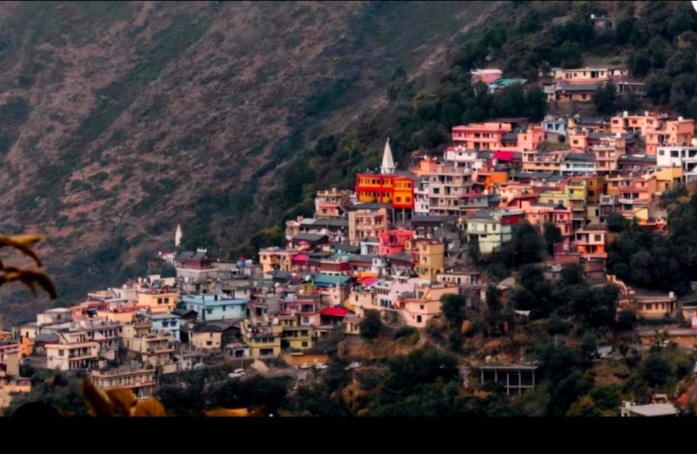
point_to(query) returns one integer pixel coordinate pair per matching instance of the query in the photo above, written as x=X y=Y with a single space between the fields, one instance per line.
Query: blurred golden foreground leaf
x=118 y=402
x=149 y=407
x=23 y=244
x=234 y=412
x=30 y=278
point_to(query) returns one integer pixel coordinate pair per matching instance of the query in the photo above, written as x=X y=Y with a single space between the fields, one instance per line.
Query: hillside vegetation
x=121 y=119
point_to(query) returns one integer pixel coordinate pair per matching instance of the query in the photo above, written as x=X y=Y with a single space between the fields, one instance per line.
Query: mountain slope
x=121 y=119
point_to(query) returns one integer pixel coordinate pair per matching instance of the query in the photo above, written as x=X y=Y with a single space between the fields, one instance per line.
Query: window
x=422 y=307
x=304 y=343
x=661 y=152
x=209 y=311
x=166 y=300
x=597 y=238
x=159 y=301
x=209 y=343
x=399 y=199
x=61 y=352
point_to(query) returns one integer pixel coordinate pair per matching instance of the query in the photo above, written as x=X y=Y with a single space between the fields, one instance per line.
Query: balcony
x=625 y=201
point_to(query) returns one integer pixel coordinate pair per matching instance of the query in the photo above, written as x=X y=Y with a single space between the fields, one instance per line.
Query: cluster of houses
x=395 y=244
x=571 y=85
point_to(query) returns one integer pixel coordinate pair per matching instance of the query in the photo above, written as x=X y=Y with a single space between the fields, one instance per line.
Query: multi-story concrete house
x=276 y=259
x=393 y=241
x=578 y=164
x=678 y=132
x=157 y=300
x=262 y=337
x=423 y=303
x=154 y=347
x=680 y=157
x=139 y=380
x=491 y=229
x=366 y=224
x=54 y=316
x=170 y=323
x=548 y=161
x=459 y=277
x=590 y=241
x=635 y=193
x=421 y=196
x=467 y=158
x=331 y=203
x=447 y=184
x=72 y=356
x=429 y=256
x=210 y=307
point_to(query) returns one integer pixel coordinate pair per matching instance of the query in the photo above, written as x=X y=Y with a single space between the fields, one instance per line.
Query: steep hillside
x=120 y=119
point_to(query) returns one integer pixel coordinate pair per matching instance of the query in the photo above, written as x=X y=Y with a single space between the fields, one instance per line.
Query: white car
x=320 y=366
x=237 y=373
x=353 y=365
x=305 y=366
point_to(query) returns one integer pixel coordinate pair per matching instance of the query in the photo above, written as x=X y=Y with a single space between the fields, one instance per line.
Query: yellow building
x=140 y=381
x=263 y=340
x=429 y=257
x=10 y=357
x=594 y=187
x=667 y=178
x=276 y=259
x=156 y=349
x=158 y=303
x=297 y=337
x=207 y=338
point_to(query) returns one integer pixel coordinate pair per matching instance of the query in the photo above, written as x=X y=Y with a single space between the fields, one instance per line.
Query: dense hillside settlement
x=460 y=250
x=537 y=264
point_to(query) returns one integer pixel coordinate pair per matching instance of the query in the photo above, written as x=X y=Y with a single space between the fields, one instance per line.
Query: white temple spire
x=388 y=166
x=178 y=236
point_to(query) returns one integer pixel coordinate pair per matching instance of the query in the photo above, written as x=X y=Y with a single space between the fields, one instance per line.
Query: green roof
x=507 y=82
x=325 y=280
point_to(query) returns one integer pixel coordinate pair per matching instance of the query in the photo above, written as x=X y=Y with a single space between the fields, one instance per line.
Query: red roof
x=504 y=155
x=334 y=312
x=368 y=281
x=300 y=258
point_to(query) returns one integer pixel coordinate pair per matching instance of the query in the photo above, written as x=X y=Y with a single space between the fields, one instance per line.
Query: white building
x=679 y=156
x=421 y=205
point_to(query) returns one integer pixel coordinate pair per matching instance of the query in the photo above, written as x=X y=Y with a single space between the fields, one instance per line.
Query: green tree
x=526 y=245
x=371 y=326
x=453 y=308
x=604 y=99
x=552 y=235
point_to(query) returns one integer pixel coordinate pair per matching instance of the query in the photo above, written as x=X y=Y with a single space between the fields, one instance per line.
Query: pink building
x=486 y=76
x=393 y=241
x=560 y=216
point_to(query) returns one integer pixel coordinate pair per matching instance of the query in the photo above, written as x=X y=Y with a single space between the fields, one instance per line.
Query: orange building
x=590 y=241
x=386 y=186
x=673 y=132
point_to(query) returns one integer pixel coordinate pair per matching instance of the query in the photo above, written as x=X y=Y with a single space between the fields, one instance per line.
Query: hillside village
x=404 y=238
x=394 y=245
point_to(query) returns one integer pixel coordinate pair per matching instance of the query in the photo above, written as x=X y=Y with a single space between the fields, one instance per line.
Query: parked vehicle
x=305 y=366
x=237 y=373
x=320 y=366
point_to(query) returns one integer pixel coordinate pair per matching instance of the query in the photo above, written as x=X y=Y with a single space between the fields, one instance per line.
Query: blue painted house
x=167 y=322
x=212 y=307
